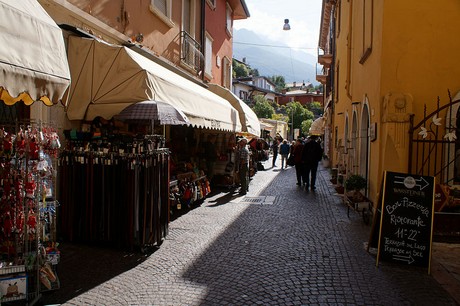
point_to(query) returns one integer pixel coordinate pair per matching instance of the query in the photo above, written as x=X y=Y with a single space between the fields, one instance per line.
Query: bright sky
x=267 y=20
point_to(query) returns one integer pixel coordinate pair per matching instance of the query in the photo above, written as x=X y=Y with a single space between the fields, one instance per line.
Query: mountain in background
x=260 y=53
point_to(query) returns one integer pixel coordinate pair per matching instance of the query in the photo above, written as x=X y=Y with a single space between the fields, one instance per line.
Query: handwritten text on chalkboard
x=406 y=225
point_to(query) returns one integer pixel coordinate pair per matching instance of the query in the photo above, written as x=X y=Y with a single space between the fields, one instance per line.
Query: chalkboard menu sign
x=406 y=223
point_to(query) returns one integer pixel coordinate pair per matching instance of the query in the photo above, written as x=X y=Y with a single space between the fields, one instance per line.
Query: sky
x=267 y=19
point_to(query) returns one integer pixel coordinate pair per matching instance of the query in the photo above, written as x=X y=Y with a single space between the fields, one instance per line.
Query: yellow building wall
x=419 y=64
x=413 y=59
x=421 y=48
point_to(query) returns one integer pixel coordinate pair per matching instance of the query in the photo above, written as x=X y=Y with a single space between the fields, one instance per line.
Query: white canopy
x=108 y=78
x=249 y=121
x=33 y=60
x=317 y=127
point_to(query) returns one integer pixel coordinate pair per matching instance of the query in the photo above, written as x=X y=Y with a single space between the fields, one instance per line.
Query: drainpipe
x=203 y=31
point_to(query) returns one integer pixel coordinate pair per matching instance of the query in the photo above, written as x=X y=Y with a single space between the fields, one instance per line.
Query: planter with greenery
x=353 y=185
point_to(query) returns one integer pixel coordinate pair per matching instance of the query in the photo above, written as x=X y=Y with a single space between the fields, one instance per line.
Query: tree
x=305 y=126
x=254 y=72
x=280 y=117
x=315 y=108
x=262 y=108
x=239 y=70
x=280 y=82
x=297 y=114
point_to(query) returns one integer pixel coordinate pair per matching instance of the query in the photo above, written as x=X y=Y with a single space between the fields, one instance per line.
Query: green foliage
x=305 y=126
x=239 y=69
x=262 y=108
x=316 y=109
x=254 y=72
x=296 y=111
x=280 y=117
x=280 y=82
x=355 y=182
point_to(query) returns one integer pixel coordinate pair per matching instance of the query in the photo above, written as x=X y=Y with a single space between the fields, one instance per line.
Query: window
x=162 y=9
x=226 y=72
x=229 y=14
x=368 y=23
x=244 y=95
x=188 y=17
x=208 y=56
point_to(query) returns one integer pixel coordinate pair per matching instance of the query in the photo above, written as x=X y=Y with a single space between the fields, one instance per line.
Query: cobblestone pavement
x=278 y=245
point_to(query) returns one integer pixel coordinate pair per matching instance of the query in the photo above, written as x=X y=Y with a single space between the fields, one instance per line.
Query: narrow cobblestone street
x=278 y=245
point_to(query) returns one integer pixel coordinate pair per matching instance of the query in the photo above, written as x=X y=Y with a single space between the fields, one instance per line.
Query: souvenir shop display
x=114 y=188
x=28 y=206
x=189 y=184
x=225 y=165
x=259 y=152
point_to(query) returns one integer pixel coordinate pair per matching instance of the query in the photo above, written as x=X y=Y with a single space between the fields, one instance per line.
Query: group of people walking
x=304 y=155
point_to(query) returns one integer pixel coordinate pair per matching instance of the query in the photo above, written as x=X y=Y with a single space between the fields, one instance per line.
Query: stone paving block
x=298 y=248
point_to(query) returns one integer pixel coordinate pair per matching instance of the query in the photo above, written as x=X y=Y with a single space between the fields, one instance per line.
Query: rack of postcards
x=28 y=252
x=114 y=191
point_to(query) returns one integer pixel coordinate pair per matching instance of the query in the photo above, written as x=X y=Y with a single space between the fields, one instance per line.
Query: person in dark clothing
x=275 y=147
x=311 y=155
x=210 y=154
x=284 y=152
x=297 y=153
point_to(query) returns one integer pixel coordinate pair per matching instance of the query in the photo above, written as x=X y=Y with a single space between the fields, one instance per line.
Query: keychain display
x=27 y=205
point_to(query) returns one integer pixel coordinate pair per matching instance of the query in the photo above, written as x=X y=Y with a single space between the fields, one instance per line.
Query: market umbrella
x=155 y=112
x=160 y=112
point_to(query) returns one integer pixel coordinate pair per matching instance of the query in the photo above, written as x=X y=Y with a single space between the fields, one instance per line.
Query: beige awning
x=33 y=60
x=266 y=126
x=317 y=127
x=108 y=78
x=249 y=121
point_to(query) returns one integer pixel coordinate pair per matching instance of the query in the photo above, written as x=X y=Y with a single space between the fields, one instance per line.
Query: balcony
x=321 y=74
x=191 y=54
x=325 y=60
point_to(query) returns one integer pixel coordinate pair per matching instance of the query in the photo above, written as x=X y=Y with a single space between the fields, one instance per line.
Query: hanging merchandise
x=114 y=190
x=28 y=248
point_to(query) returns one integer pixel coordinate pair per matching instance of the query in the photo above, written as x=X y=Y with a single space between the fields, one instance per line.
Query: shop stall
x=199 y=160
x=34 y=68
x=114 y=187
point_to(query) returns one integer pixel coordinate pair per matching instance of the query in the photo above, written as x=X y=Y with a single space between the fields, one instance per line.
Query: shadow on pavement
x=84 y=267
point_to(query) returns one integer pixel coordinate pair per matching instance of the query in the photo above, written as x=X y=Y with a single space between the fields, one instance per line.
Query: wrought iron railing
x=434 y=147
x=191 y=53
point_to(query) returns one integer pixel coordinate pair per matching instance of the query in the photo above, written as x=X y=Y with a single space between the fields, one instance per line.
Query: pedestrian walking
x=275 y=147
x=284 y=152
x=299 y=167
x=311 y=155
x=242 y=167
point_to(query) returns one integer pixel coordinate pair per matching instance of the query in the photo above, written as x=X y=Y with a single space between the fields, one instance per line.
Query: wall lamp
x=286 y=26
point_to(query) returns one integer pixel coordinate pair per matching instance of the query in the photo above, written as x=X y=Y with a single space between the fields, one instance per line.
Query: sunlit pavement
x=277 y=245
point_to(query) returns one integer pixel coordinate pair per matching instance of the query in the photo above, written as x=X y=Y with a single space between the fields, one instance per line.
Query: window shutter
x=161 y=5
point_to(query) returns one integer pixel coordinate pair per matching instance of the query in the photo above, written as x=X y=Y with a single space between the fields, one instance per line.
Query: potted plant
x=354 y=184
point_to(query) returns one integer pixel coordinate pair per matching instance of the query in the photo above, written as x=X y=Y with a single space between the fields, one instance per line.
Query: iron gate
x=434 y=145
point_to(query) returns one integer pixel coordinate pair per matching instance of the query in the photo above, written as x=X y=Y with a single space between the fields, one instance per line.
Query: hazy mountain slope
x=294 y=65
